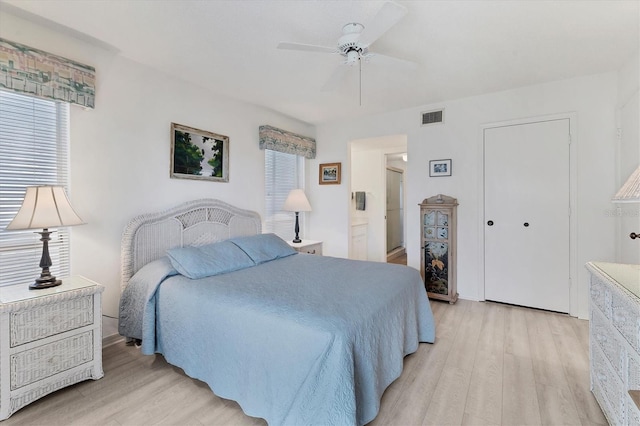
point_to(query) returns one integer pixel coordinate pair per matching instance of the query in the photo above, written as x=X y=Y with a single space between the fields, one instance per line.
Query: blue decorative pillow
x=212 y=259
x=264 y=247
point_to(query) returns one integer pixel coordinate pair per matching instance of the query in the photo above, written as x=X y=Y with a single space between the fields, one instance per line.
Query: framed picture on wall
x=329 y=174
x=440 y=167
x=198 y=154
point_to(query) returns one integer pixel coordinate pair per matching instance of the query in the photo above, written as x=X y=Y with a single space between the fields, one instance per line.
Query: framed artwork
x=198 y=154
x=329 y=174
x=440 y=167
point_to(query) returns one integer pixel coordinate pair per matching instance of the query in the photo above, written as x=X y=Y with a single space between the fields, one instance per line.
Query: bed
x=295 y=339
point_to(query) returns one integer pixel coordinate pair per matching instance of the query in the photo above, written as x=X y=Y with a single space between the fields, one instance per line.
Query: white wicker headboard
x=148 y=237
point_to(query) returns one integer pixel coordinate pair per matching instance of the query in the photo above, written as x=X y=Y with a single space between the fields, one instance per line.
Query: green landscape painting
x=198 y=154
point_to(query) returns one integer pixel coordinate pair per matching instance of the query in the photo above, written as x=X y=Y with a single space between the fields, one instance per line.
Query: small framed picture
x=198 y=154
x=329 y=174
x=440 y=168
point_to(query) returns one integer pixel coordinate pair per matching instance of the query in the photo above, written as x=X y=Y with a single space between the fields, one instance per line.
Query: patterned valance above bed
x=287 y=142
x=27 y=70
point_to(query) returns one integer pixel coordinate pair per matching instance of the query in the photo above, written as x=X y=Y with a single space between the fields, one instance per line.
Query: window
x=34 y=150
x=282 y=173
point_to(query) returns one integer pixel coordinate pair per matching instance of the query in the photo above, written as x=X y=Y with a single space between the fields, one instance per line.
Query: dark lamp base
x=45 y=283
x=297 y=240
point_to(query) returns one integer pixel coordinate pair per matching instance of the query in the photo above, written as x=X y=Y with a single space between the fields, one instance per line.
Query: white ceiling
x=463 y=48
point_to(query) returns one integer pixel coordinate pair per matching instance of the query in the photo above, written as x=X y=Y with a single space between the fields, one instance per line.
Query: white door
x=526 y=214
x=395 y=210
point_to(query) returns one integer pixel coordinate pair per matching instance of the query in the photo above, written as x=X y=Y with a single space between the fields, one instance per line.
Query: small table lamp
x=297 y=202
x=45 y=207
x=630 y=193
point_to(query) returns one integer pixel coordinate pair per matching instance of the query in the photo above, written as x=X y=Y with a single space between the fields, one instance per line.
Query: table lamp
x=297 y=202
x=45 y=207
x=630 y=193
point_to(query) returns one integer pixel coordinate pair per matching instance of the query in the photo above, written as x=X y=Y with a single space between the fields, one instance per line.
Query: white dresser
x=49 y=339
x=614 y=340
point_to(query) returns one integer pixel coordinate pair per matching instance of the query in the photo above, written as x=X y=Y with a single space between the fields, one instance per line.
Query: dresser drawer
x=610 y=386
x=633 y=413
x=47 y=360
x=625 y=318
x=633 y=377
x=29 y=325
x=607 y=339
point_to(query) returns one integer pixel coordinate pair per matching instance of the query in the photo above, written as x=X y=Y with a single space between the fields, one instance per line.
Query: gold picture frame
x=330 y=174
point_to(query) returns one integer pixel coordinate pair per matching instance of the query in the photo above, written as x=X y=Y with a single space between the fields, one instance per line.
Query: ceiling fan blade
x=388 y=15
x=306 y=47
x=343 y=75
x=336 y=78
x=391 y=61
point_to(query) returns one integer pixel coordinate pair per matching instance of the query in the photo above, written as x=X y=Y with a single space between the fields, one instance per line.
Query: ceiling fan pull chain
x=360 y=65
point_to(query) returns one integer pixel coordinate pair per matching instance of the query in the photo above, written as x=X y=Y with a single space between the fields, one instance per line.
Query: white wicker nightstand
x=49 y=339
x=307 y=246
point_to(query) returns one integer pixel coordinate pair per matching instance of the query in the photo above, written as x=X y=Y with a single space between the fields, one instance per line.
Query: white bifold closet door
x=526 y=214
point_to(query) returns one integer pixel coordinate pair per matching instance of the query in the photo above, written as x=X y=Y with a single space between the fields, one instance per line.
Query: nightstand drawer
x=47 y=360
x=312 y=249
x=48 y=320
x=307 y=247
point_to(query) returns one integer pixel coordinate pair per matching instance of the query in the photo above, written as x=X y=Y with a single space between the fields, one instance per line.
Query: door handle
x=490 y=223
x=633 y=235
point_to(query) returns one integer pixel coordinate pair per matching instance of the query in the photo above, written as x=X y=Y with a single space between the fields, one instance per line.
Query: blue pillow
x=212 y=259
x=264 y=247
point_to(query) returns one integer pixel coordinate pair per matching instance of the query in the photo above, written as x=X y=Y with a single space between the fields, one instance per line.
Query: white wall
x=592 y=98
x=120 y=150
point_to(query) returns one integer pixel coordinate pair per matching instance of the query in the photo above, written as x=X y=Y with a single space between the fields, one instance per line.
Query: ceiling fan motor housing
x=349 y=45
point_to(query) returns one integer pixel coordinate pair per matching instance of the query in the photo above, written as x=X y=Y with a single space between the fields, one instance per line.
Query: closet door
x=526 y=214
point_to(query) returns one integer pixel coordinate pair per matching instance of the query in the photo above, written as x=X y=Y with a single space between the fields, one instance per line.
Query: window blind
x=283 y=172
x=34 y=150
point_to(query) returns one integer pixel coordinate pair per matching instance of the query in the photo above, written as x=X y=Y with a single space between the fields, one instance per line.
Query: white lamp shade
x=630 y=191
x=45 y=207
x=296 y=202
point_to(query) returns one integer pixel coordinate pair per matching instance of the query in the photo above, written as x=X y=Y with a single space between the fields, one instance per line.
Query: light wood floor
x=491 y=365
x=400 y=260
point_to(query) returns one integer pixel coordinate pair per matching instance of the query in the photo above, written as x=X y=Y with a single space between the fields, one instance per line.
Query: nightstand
x=307 y=246
x=49 y=339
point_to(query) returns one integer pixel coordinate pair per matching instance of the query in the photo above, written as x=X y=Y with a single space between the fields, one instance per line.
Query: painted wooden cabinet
x=359 y=243
x=438 y=247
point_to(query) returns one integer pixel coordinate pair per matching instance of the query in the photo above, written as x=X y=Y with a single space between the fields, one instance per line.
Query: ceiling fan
x=354 y=44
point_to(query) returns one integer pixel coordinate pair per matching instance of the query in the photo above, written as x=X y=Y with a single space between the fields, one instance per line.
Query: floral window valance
x=290 y=143
x=28 y=70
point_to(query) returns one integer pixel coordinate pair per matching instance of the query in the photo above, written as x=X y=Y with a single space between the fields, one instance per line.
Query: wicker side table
x=49 y=339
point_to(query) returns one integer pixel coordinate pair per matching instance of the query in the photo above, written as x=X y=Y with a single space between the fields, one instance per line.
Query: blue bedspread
x=303 y=340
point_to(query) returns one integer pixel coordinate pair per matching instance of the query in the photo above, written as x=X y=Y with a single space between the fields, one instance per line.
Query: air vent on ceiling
x=432 y=117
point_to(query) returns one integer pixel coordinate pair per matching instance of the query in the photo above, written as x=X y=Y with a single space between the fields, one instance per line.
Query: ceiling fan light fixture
x=352 y=57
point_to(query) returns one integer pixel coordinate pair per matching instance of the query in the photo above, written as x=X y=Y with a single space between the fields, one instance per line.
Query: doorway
x=527 y=245
x=368 y=159
x=396 y=252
